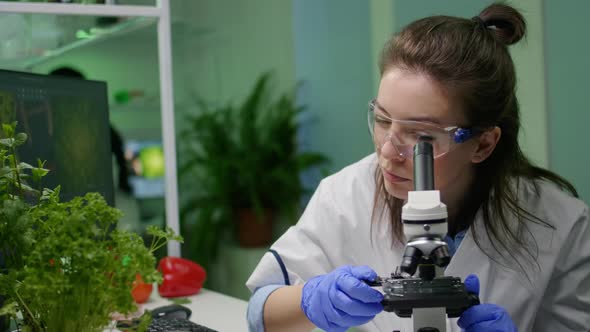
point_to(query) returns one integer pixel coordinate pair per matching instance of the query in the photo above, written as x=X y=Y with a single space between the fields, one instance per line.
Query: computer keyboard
x=176 y=325
x=169 y=318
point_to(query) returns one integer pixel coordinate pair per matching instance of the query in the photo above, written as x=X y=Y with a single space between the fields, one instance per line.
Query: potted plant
x=65 y=268
x=242 y=169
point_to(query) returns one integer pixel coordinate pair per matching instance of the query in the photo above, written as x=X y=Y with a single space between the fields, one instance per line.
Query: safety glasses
x=404 y=134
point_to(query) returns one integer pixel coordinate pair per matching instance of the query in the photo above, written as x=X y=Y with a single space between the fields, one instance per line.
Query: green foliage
x=241 y=156
x=180 y=300
x=67 y=269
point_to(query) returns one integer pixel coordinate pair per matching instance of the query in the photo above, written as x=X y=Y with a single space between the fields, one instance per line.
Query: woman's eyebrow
x=416 y=118
x=381 y=107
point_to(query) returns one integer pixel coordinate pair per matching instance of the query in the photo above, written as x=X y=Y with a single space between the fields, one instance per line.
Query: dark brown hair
x=470 y=59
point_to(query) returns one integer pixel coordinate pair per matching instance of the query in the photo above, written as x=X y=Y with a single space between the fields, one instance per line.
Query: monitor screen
x=145 y=160
x=67 y=123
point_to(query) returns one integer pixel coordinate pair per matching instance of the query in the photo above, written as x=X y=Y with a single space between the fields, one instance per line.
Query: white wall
x=232 y=43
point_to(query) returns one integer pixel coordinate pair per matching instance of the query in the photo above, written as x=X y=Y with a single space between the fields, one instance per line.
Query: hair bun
x=507 y=24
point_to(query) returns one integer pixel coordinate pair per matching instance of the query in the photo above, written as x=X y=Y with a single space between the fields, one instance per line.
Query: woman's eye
x=380 y=119
x=424 y=136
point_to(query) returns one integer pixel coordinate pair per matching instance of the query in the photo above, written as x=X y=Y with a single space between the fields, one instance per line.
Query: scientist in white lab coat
x=517 y=227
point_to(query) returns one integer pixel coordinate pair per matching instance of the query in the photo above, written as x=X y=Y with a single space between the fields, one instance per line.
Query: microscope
x=430 y=297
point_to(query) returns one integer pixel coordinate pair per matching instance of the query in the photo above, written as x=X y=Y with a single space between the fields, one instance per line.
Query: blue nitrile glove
x=340 y=299
x=484 y=317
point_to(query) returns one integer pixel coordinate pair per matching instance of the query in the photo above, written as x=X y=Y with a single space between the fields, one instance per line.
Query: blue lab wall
x=332 y=60
x=567 y=52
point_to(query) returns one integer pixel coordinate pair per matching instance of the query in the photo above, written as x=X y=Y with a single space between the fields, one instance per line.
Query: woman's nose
x=389 y=151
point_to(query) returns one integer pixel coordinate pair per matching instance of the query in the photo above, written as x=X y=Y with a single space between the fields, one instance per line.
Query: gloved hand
x=484 y=317
x=339 y=299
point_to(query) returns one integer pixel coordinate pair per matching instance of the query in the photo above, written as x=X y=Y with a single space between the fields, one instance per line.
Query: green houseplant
x=243 y=168
x=65 y=268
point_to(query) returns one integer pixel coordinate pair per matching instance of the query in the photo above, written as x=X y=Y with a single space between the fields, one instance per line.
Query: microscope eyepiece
x=424 y=146
x=423 y=166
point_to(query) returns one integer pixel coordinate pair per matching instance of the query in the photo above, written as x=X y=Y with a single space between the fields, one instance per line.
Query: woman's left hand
x=484 y=317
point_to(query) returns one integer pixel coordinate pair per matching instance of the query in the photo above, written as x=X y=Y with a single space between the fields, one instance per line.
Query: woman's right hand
x=340 y=299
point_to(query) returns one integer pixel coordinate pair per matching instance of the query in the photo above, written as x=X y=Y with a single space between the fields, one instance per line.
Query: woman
x=518 y=227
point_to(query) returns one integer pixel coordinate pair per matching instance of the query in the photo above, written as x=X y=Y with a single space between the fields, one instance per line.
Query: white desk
x=211 y=309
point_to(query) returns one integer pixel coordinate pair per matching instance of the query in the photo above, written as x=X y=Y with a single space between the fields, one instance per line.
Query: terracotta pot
x=254 y=230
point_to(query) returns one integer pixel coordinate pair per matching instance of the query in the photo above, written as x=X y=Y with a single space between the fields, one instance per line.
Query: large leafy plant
x=66 y=267
x=241 y=157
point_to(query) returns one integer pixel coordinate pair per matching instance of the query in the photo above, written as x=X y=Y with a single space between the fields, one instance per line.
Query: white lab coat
x=335 y=230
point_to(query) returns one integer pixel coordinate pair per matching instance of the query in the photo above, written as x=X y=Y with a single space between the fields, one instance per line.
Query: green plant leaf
x=9 y=309
x=241 y=155
x=180 y=300
x=65 y=269
x=20 y=138
x=7 y=142
x=8 y=129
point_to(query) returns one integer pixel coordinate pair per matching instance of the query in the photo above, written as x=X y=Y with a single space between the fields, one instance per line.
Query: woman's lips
x=393 y=178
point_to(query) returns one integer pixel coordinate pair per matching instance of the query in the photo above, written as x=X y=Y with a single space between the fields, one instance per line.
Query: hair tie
x=479 y=21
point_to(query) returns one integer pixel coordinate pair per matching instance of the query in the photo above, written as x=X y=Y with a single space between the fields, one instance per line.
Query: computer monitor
x=67 y=123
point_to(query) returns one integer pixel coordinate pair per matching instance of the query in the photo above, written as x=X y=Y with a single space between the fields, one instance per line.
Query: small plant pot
x=254 y=230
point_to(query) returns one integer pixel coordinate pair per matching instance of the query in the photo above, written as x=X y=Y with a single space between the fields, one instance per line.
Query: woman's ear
x=486 y=144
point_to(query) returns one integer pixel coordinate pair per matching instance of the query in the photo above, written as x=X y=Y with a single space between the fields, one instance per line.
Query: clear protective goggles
x=404 y=134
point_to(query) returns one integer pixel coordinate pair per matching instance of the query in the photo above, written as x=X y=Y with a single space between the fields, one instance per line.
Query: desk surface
x=211 y=309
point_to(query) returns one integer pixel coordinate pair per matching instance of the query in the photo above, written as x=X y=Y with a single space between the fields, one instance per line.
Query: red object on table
x=141 y=291
x=182 y=277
